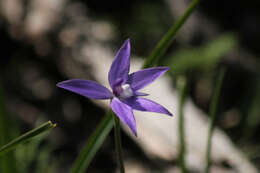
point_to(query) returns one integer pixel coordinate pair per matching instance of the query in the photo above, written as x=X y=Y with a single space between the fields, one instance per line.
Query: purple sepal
x=143 y=104
x=86 y=88
x=142 y=78
x=124 y=113
x=121 y=64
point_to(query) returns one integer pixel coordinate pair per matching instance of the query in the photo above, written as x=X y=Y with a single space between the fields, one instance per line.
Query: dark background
x=32 y=62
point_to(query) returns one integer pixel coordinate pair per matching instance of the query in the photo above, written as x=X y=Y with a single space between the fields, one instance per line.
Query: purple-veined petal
x=121 y=64
x=143 y=104
x=141 y=78
x=125 y=113
x=86 y=88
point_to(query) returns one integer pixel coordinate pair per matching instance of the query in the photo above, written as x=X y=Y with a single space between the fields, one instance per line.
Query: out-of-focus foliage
x=32 y=154
x=201 y=59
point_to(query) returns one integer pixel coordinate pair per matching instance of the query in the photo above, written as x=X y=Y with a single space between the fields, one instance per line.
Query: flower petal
x=125 y=113
x=141 y=78
x=86 y=88
x=121 y=64
x=143 y=104
x=137 y=93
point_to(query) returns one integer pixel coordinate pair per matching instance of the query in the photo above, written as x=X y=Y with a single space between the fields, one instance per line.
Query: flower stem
x=118 y=143
x=212 y=114
x=182 y=87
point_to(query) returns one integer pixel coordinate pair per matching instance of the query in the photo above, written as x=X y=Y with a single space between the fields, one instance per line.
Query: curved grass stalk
x=26 y=137
x=212 y=114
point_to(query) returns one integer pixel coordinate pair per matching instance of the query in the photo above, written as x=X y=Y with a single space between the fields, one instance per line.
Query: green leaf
x=27 y=136
x=93 y=144
x=200 y=58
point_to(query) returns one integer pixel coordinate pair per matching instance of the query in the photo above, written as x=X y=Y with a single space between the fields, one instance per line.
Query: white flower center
x=127 y=91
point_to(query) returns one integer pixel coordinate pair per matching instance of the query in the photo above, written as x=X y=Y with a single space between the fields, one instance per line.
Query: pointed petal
x=121 y=64
x=140 y=79
x=143 y=104
x=125 y=113
x=86 y=88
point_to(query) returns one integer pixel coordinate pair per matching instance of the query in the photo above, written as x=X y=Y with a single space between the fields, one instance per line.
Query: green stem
x=212 y=114
x=182 y=87
x=118 y=143
x=168 y=38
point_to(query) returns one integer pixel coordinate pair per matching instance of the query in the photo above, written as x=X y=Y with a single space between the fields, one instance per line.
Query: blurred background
x=44 y=42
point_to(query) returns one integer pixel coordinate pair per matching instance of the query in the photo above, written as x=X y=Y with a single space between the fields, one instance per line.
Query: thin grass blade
x=26 y=137
x=182 y=88
x=212 y=114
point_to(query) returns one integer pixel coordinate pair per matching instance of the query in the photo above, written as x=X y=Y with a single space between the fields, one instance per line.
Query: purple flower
x=125 y=95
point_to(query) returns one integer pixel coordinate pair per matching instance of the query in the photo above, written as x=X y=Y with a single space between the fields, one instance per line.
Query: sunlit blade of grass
x=182 y=89
x=168 y=38
x=212 y=114
x=27 y=136
x=6 y=161
x=93 y=144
